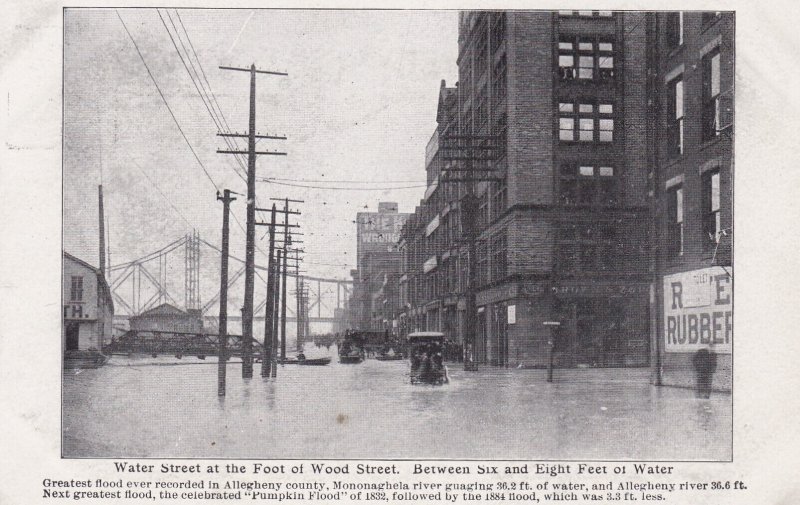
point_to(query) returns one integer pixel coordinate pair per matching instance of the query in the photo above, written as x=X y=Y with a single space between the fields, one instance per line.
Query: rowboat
x=305 y=361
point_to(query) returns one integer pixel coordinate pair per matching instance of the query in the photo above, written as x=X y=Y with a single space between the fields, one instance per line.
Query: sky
x=359 y=104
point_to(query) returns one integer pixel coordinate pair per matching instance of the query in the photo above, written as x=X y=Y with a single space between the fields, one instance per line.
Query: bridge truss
x=156 y=278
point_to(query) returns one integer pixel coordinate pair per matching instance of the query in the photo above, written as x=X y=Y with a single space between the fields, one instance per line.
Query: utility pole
x=287 y=242
x=266 y=356
x=223 y=294
x=299 y=311
x=282 y=253
x=469 y=148
x=102 y=259
x=275 y=327
x=247 y=310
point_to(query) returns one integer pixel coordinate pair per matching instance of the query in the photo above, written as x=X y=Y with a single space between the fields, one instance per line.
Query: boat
x=426 y=358
x=84 y=359
x=314 y=361
x=305 y=361
x=388 y=357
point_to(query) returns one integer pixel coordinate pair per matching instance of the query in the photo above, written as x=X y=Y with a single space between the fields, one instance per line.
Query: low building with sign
x=88 y=309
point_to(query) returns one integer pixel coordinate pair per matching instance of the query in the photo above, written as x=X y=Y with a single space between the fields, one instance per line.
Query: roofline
x=97 y=272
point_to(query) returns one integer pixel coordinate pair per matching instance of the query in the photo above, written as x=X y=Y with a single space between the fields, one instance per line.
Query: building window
x=674 y=29
x=605 y=122
x=585 y=59
x=711 y=207
x=482 y=260
x=499 y=256
x=588 y=185
x=586 y=14
x=585 y=122
x=566 y=122
x=605 y=60
x=581 y=120
x=481 y=50
x=499 y=197
x=675 y=221
x=711 y=92
x=499 y=80
x=481 y=110
x=483 y=210
x=566 y=60
x=498 y=31
x=675 y=117
x=76 y=289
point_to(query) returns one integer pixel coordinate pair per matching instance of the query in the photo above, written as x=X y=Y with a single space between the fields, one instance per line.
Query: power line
x=162 y=194
x=212 y=100
x=351 y=181
x=272 y=181
x=164 y=99
x=203 y=96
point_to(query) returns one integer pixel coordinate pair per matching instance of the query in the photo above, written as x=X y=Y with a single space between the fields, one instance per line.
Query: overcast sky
x=359 y=104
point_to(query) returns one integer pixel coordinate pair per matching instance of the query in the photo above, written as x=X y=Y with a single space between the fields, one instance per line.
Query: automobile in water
x=426 y=358
x=351 y=349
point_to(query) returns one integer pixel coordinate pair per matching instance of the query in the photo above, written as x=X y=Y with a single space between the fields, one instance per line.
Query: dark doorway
x=481 y=351
x=72 y=332
x=501 y=312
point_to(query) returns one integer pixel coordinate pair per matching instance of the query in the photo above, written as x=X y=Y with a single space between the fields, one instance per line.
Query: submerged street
x=165 y=407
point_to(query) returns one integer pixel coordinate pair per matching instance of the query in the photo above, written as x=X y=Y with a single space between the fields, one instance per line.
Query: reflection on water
x=162 y=407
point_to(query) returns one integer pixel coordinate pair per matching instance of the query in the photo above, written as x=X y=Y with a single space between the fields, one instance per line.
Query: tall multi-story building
x=430 y=293
x=373 y=304
x=692 y=190
x=604 y=206
x=562 y=224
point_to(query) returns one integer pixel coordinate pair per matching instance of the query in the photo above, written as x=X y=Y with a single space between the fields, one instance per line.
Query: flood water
x=164 y=407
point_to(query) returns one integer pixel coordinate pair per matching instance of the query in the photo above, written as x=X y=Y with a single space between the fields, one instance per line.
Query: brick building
x=563 y=233
x=692 y=189
x=375 y=298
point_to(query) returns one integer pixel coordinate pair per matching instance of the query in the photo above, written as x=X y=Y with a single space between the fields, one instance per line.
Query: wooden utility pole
x=275 y=327
x=274 y=304
x=223 y=294
x=469 y=148
x=287 y=242
x=249 y=274
x=266 y=356
x=299 y=311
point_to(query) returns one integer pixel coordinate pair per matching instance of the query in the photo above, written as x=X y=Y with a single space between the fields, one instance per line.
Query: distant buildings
x=375 y=299
x=88 y=309
x=612 y=172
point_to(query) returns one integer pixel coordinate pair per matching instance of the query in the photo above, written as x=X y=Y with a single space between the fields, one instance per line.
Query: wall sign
x=698 y=311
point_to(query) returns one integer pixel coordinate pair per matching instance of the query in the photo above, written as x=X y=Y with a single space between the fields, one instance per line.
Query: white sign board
x=512 y=314
x=698 y=311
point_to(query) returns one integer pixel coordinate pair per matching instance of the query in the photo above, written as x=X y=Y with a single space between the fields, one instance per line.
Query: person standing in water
x=705 y=364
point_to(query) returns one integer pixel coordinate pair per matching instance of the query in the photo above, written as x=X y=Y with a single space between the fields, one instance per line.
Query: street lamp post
x=553 y=325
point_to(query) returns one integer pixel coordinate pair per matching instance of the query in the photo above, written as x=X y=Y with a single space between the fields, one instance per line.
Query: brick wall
x=530 y=108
